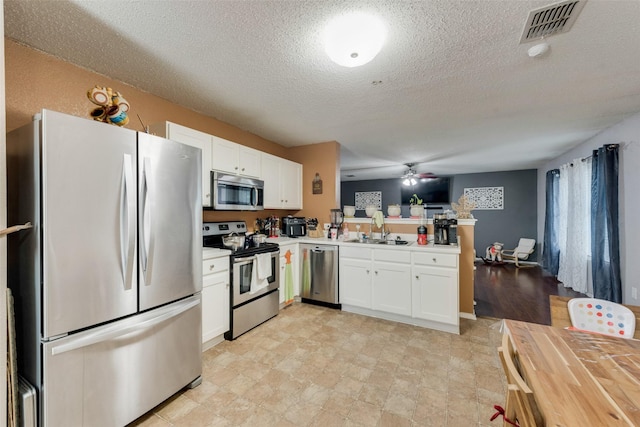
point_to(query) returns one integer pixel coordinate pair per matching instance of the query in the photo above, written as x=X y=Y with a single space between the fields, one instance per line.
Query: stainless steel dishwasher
x=319 y=274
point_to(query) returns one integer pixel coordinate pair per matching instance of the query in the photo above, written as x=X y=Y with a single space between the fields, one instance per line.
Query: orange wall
x=323 y=159
x=35 y=80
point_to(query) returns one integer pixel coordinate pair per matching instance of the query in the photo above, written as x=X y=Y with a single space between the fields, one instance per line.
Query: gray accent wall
x=517 y=219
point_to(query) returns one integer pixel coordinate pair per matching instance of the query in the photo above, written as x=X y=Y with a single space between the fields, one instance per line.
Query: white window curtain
x=574 y=224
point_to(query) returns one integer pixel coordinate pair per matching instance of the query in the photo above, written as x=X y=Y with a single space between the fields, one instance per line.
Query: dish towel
x=288 y=278
x=378 y=218
x=264 y=265
x=260 y=273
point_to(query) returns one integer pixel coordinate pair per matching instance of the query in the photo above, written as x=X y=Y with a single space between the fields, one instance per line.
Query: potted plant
x=416 y=209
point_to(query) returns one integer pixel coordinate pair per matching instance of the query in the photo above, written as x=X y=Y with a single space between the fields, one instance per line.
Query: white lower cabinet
x=355 y=282
x=392 y=288
x=376 y=279
x=293 y=248
x=435 y=287
x=215 y=300
x=417 y=287
x=435 y=294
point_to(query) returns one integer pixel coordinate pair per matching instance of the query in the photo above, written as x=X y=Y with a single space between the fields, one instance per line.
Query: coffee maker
x=440 y=229
x=445 y=230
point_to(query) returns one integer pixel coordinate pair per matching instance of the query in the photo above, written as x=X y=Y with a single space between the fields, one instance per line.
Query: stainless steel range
x=254 y=277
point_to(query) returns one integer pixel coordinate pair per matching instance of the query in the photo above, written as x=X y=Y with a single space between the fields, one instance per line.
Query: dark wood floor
x=507 y=292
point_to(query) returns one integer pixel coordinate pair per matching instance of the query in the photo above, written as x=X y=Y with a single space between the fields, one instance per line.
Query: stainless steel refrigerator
x=107 y=283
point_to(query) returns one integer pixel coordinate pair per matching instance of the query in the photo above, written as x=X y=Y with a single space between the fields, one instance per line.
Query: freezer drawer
x=111 y=375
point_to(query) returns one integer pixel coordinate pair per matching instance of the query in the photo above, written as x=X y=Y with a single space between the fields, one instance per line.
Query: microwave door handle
x=255 y=189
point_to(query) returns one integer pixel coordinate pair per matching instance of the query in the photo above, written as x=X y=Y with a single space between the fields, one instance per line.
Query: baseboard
x=470 y=316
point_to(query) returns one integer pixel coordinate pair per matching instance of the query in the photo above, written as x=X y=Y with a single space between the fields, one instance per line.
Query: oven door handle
x=244 y=259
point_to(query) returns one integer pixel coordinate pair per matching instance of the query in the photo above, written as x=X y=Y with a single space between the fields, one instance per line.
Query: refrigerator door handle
x=127 y=216
x=115 y=331
x=147 y=231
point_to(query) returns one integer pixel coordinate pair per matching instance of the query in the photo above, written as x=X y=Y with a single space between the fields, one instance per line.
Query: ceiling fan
x=411 y=177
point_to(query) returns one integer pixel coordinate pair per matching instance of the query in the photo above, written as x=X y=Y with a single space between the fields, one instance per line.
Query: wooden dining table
x=579 y=378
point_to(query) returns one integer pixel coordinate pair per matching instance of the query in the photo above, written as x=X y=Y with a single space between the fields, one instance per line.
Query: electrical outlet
x=634 y=293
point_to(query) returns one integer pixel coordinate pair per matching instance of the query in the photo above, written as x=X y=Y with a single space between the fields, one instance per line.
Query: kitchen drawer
x=215 y=278
x=391 y=255
x=357 y=252
x=215 y=265
x=435 y=259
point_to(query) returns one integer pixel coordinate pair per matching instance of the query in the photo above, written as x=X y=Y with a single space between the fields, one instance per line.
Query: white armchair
x=520 y=253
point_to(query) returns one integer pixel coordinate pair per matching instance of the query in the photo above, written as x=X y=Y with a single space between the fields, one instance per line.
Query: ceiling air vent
x=555 y=19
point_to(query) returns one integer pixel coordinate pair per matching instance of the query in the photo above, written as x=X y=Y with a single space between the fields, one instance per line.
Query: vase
x=349 y=211
x=417 y=211
x=393 y=210
x=370 y=210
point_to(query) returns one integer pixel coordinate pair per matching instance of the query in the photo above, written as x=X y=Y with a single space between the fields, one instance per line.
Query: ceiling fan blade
x=426 y=175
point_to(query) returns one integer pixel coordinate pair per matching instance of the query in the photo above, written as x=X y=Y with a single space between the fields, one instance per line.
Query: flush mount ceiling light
x=354 y=39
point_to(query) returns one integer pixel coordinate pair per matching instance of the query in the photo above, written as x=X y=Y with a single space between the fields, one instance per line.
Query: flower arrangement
x=415 y=200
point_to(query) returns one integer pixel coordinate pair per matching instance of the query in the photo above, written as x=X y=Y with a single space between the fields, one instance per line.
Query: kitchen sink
x=378 y=242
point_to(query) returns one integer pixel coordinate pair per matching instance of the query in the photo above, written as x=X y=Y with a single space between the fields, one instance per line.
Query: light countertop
x=214 y=253
x=412 y=246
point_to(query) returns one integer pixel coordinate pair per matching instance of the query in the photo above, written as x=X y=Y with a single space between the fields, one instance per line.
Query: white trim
x=438 y=326
x=471 y=316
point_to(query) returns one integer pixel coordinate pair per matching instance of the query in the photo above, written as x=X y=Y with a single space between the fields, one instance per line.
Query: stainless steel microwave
x=236 y=193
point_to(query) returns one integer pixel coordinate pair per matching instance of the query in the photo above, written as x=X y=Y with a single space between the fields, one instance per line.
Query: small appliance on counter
x=294 y=226
x=453 y=231
x=337 y=218
x=440 y=229
x=445 y=230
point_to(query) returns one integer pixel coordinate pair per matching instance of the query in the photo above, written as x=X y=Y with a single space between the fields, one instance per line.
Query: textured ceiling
x=458 y=93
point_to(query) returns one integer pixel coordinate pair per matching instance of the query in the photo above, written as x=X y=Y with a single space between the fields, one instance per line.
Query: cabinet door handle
x=418 y=277
x=367 y=271
x=211 y=267
x=435 y=260
x=236 y=168
x=376 y=272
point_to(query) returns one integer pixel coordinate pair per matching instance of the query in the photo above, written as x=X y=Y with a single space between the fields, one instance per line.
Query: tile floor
x=314 y=366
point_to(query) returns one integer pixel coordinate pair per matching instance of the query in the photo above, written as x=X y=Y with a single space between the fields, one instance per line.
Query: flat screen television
x=430 y=190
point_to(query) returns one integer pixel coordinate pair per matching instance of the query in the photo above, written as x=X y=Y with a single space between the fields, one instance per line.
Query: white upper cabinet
x=282 y=178
x=291 y=184
x=193 y=138
x=282 y=183
x=235 y=158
